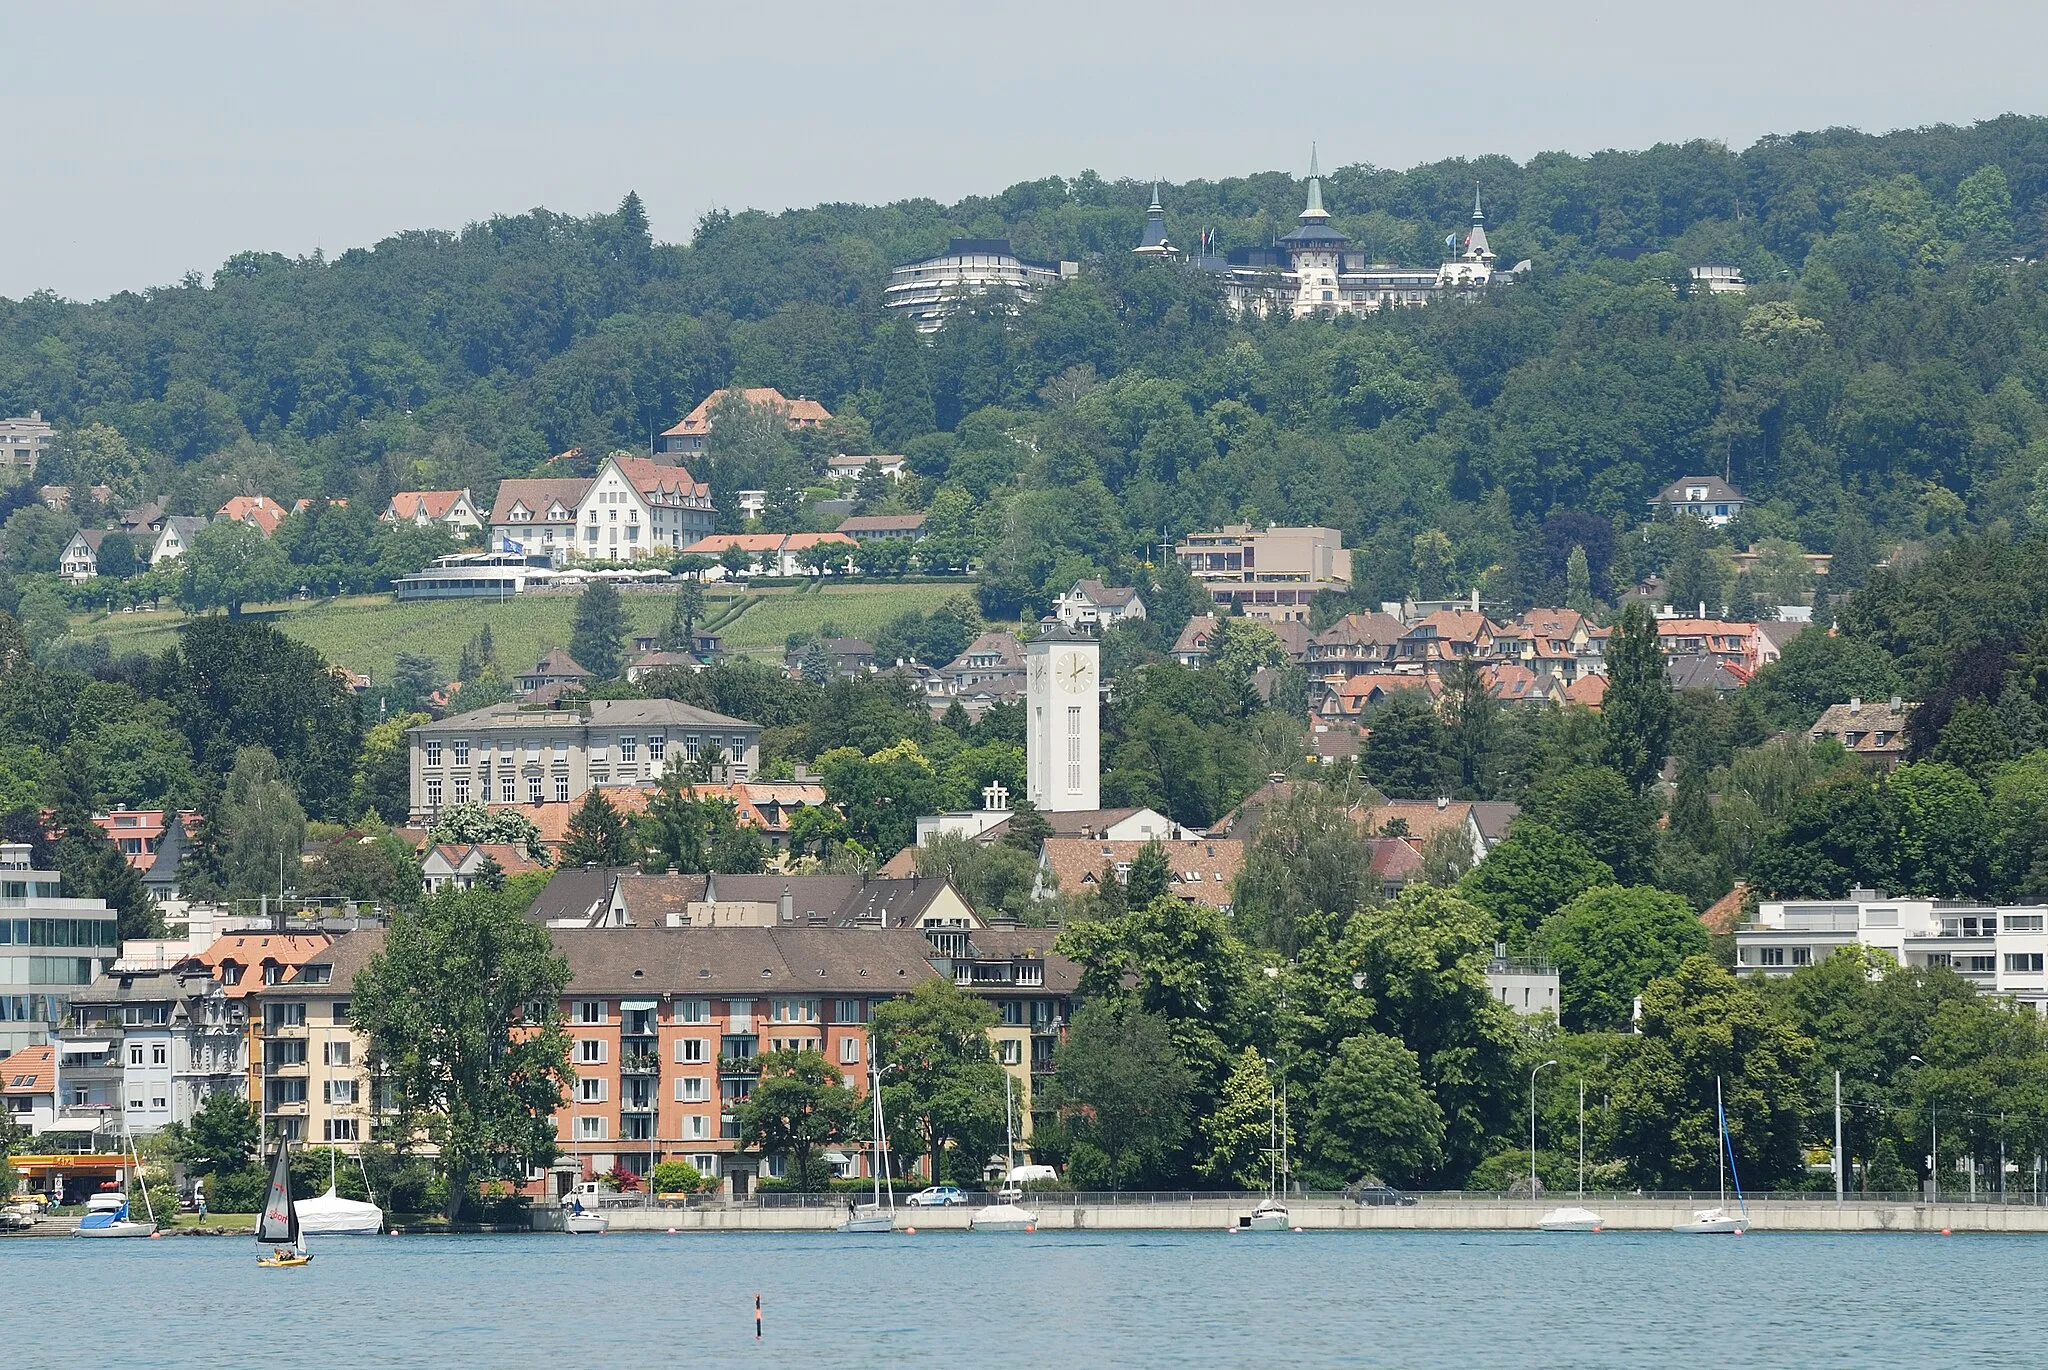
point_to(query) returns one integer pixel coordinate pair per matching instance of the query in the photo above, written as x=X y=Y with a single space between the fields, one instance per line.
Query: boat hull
x=586 y=1224
x=1002 y=1218
x=118 y=1229
x=1569 y=1220
x=879 y=1223
x=275 y=1263
x=1263 y=1222
x=1723 y=1227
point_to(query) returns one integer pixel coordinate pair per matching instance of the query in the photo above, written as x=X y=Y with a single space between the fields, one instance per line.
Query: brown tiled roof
x=348 y=954
x=552 y=820
x=1724 y=913
x=250 y=950
x=434 y=504
x=1424 y=817
x=1196 y=636
x=698 y=420
x=1204 y=869
x=1588 y=690
x=881 y=523
x=31 y=1070
x=1061 y=975
x=654 y=479
x=260 y=511
x=755 y=962
x=537 y=495
x=1373 y=629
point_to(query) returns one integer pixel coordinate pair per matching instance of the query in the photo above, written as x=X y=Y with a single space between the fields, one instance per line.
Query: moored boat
x=1270 y=1216
x=1569 y=1219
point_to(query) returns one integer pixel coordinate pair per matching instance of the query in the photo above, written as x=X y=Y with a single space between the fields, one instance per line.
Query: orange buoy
x=1946 y=1232
x=1297 y=1229
x=910 y=1232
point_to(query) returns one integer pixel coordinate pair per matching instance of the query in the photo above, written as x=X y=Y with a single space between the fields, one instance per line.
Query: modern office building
x=50 y=948
x=1271 y=573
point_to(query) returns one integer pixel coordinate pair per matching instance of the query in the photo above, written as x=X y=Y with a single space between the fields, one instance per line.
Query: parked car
x=938 y=1196
x=1378 y=1196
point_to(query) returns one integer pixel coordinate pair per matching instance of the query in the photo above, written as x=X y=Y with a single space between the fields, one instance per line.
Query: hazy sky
x=143 y=140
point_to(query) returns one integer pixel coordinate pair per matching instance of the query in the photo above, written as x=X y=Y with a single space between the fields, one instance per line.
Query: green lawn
x=367 y=632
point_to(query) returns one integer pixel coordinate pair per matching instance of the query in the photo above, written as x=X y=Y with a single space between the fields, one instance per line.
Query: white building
x=80 y=560
x=49 y=947
x=1063 y=719
x=174 y=537
x=1704 y=497
x=2000 y=950
x=1527 y=985
x=1312 y=270
x=176 y=1038
x=452 y=509
x=1091 y=604
x=634 y=507
x=927 y=291
x=1719 y=280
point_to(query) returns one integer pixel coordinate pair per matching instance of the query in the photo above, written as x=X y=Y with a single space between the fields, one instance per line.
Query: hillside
x=1888 y=365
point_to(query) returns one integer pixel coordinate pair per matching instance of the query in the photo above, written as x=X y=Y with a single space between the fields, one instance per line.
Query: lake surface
x=1070 y=1299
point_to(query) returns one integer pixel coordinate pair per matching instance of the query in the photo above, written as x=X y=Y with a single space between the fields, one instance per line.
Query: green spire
x=1315 y=212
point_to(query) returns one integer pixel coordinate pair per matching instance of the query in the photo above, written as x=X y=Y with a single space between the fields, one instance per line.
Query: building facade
x=310 y=1067
x=1998 y=949
x=690 y=436
x=1270 y=573
x=51 y=947
x=175 y=1038
x=452 y=509
x=510 y=754
x=926 y=292
x=23 y=442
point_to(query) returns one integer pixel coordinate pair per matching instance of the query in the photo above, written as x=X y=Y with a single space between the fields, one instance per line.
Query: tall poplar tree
x=1636 y=712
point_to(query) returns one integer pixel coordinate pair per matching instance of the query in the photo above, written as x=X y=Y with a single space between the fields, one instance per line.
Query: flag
x=1451 y=240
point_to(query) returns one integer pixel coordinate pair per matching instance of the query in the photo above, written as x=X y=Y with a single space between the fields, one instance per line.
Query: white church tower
x=1063 y=726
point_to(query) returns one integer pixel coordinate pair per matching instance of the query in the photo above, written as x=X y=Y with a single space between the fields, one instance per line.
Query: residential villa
x=452 y=509
x=689 y=437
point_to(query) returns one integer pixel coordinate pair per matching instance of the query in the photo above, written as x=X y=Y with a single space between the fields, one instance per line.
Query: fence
x=1065 y=1198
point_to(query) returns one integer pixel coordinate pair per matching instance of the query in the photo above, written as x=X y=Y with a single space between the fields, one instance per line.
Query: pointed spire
x=1314 y=212
x=1154 y=208
x=1478 y=216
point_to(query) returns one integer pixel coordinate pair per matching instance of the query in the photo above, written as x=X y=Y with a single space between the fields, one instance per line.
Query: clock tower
x=1063 y=720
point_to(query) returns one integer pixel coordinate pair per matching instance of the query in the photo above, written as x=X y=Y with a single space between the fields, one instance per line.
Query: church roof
x=1315 y=230
x=1155 y=240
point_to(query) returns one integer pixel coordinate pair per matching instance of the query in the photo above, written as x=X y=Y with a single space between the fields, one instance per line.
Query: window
x=691 y=1051
x=2023 y=962
x=160 y=1054
x=433 y=753
x=1012 y=1051
x=590 y=1129
x=337 y=1053
x=2023 y=922
x=693 y=1011
x=1013 y=1013
x=533 y=789
x=561 y=787
x=1770 y=956
x=462 y=789
x=433 y=794
x=340 y=1014
x=849 y=1051
x=135 y=1105
x=589 y=1090
x=697 y=1128
x=1802 y=956
x=506 y=791
x=691 y=746
x=793 y=1011
x=657 y=744
x=289 y=1052
x=629 y=749
x=277 y=1016
x=846 y=1010
x=339 y=1091
x=1073 y=751
x=341 y=1130
x=692 y=1089
x=589 y=1011
x=590 y=1050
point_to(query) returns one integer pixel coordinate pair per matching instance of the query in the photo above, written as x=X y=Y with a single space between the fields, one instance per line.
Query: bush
x=676 y=1177
x=238 y=1191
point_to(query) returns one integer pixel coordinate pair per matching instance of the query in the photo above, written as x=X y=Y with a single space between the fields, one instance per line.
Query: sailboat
x=331 y=1215
x=1270 y=1215
x=278 y=1225
x=106 y=1215
x=875 y=1216
x=1006 y=1214
x=1717 y=1221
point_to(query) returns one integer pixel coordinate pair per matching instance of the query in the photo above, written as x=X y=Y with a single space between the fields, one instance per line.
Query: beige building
x=311 y=1066
x=1271 y=573
x=23 y=442
x=514 y=754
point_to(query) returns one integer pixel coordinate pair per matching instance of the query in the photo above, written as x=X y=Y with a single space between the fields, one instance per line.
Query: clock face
x=1074 y=672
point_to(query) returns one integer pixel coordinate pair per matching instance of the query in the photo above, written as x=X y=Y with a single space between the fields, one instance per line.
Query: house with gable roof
x=452 y=509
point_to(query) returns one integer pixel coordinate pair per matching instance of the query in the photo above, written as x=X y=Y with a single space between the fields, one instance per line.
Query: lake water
x=1077 y=1299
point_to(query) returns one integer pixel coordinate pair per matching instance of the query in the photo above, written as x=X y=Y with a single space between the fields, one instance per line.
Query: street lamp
x=1532 y=1124
x=1933 y=1142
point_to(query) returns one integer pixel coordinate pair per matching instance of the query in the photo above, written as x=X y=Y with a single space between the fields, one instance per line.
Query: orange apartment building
x=664 y=1025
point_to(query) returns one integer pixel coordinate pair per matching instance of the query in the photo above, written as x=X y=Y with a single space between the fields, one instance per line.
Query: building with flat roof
x=2000 y=949
x=926 y=292
x=1271 y=573
x=552 y=754
x=24 y=440
x=50 y=948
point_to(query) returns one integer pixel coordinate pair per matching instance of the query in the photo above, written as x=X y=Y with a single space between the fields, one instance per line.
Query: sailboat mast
x=1721 y=1142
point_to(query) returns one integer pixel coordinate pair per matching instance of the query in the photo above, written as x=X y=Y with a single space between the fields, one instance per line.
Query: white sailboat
x=106 y=1215
x=277 y=1227
x=331 y=1215
x=1006 y=1214
x=1270 y=1214
x=1718 y=1221
x=876 y=1215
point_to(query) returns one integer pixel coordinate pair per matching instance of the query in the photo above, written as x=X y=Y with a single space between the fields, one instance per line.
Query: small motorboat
x=1270 y=1216
x=106 y=1215
x=1569 y=1219
x=1003 y=1217
x=1713 y=1222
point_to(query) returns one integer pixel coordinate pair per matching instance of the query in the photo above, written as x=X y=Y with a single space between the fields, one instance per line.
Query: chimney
x=1898 y=703
x=1475 y=599
x=1443 y=801
x=1855 y=705
x=786 y=906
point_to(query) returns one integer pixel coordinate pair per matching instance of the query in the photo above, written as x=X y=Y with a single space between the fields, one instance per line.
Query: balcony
x=739 y=1065
x=643 y=1063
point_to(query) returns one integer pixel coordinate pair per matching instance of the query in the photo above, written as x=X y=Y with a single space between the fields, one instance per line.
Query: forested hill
x=1892 y=350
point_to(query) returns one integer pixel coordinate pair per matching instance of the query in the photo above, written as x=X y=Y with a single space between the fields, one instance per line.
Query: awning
x=629 y=1005
x=837 y=1158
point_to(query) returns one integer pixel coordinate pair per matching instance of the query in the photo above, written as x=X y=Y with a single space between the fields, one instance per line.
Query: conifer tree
x=1636 y=712
x=598 y=633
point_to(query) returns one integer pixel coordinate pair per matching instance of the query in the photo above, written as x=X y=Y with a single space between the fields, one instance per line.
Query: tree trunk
x=458 y=1191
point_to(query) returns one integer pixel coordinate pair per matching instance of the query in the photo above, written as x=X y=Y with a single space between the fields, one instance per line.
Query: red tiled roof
x=258 y=511
x=698 y=421
x=31 y=1070
x=433 y=504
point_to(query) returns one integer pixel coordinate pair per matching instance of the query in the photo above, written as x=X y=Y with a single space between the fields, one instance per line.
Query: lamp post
x=1532 y=1124
x=1933 y=1143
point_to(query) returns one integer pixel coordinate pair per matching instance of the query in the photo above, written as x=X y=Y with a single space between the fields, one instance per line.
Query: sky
x=141 y=141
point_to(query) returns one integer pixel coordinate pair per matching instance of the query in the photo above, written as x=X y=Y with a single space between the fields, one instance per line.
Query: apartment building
x=311 y=1068
x=1999 y=949
x=552 y=754
x=50 y=947
x=927 y=292
x=151 y=1045
x=23 y=442
x=1271 y=573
